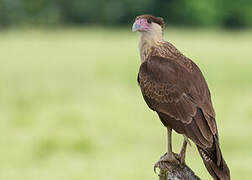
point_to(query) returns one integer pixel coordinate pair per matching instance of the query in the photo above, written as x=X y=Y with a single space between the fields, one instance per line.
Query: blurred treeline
x=223 y=13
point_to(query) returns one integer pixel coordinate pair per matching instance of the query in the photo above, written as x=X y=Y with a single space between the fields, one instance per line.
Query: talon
x=182 y=164
x=155 y=166
x=180 y=159
x=171 y=158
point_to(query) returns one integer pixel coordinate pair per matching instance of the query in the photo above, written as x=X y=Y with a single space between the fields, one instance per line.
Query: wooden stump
x=171 y=171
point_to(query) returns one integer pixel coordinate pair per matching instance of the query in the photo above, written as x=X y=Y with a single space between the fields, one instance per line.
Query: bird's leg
x=169 y=134
x=182 y=153
x=169 y=156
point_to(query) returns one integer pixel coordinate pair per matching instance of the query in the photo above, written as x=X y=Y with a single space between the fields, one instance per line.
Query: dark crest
x=154 y=19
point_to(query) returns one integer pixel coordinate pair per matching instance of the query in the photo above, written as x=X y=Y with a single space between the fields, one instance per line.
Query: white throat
x=149 y=39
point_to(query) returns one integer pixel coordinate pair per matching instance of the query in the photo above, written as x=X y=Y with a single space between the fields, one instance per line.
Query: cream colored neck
x=149 y=39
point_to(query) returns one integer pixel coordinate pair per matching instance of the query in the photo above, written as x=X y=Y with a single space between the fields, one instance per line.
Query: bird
x=173 y=86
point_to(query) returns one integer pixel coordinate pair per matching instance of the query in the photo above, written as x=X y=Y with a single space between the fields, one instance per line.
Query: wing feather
x=181 y=97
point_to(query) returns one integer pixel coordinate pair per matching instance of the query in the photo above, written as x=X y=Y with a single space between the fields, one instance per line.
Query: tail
x=214 y=162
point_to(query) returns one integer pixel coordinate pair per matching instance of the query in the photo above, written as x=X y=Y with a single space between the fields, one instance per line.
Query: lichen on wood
x=171 y=171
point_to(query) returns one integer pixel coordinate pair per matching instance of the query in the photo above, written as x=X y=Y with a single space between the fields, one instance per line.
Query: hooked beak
x=136 y=27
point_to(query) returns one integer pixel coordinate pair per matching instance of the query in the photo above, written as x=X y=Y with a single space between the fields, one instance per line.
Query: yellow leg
x=183 y=151
x=169 y=156
x=169 y=135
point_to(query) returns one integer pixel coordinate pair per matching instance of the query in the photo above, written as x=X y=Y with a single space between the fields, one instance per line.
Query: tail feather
x=214 y=162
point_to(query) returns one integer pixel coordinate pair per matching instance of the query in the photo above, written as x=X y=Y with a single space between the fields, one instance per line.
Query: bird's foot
x=170 y=158
x=181 y=158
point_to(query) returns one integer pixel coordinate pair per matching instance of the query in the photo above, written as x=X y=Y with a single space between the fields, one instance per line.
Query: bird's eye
x=149 y=21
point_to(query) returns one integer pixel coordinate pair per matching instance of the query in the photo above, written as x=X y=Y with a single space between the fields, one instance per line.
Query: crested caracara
x=174 y=87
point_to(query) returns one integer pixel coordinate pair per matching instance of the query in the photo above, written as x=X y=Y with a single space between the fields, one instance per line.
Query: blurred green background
x=70 y=105
x=219 y=13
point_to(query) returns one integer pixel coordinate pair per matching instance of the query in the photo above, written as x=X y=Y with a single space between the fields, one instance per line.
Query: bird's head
x=150 y=28
x=148 y=23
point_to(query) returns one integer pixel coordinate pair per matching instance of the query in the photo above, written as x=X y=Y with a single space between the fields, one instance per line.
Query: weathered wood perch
x=171 y=171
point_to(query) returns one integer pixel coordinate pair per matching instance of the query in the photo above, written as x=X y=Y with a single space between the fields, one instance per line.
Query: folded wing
x=181 y=98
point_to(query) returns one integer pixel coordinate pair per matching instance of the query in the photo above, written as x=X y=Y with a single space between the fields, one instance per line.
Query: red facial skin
x=142 y=25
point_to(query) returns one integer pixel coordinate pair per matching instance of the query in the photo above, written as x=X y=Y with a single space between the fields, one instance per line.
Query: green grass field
x=71 y=109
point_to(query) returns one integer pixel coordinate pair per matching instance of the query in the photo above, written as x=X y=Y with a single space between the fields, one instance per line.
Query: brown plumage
x=174 y=87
